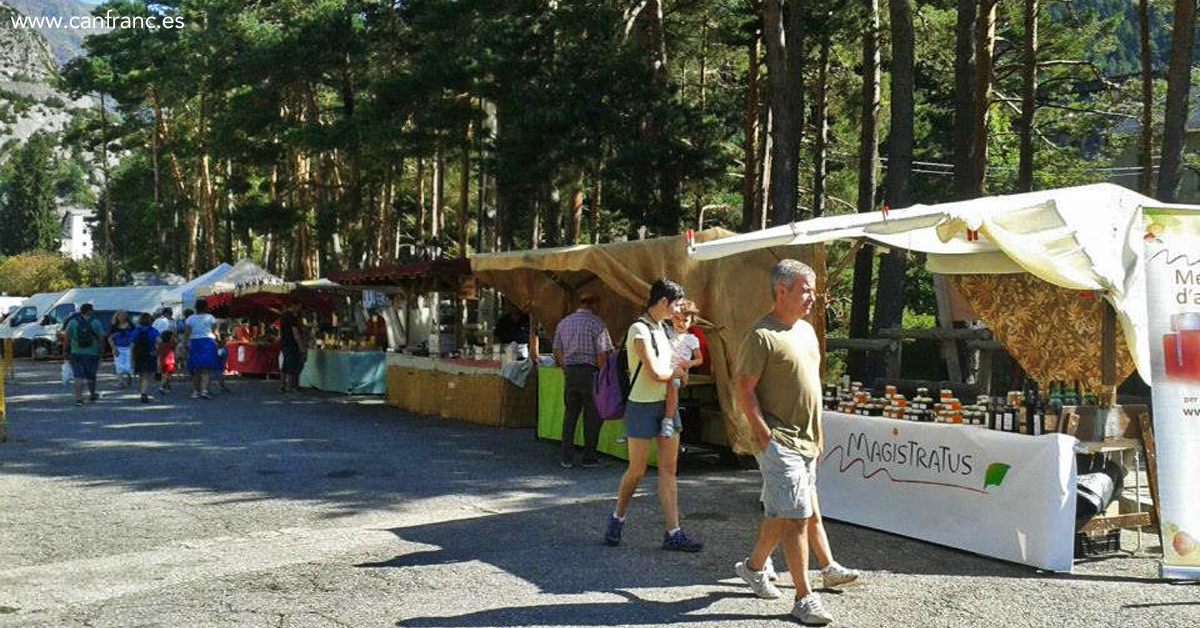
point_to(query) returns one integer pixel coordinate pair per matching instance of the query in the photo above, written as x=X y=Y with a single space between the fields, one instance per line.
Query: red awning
x=265 y=306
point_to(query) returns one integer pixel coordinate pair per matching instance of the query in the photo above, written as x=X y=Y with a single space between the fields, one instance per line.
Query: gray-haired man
x=778 y=387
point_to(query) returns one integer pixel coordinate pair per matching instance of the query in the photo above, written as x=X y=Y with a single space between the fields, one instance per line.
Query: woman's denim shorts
x=644 y=419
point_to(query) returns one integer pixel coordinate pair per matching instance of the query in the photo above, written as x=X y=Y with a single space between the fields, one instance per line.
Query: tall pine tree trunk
x=889 y=295
x=464 y=190
x=783 y=33
x=1179 y=80
x=1146 y=156
x=750 y=198
x=868 y=158
x=964 y=99
x=821 y=123
x=422 y=227
x=985 y=38
x=1028 y=97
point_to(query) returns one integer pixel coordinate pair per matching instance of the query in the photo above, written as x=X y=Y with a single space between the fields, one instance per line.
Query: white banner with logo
x=1172 y=241
x=1009 y=496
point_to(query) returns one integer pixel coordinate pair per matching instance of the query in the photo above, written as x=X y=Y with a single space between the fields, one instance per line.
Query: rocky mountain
x=28 y=100
x=65 y=43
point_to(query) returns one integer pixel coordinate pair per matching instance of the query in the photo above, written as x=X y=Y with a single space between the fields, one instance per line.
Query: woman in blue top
x=120 y=338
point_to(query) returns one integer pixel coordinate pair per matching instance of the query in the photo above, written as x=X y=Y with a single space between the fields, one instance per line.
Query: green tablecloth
x=550 y=418
x=350 y=372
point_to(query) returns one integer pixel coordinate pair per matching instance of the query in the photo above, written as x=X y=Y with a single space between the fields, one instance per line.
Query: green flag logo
x=994 y=476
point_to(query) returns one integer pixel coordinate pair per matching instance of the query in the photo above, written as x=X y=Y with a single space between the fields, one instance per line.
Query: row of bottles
x=1018 y=412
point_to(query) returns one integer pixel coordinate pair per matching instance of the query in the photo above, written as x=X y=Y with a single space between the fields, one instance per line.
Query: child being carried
x=685 y=354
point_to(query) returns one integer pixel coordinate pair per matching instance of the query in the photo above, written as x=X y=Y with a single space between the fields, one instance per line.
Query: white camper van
x=43 y=338
x=27 y=314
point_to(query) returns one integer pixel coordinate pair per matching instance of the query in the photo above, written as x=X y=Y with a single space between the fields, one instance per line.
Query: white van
x=8 y=305
x=27 y=315
x=43 y=338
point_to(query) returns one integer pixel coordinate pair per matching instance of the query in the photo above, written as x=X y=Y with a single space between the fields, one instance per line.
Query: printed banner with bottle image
x=1172 y=247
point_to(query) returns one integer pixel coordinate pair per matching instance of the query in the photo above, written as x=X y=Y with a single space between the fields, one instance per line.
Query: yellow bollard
x=5 y=366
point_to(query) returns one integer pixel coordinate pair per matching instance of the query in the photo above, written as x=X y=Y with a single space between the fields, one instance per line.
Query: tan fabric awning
x=731 y=292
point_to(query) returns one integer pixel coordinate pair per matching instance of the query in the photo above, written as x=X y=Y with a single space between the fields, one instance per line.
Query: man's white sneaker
x=835 y=575
x=758 y=581
x=810 y=611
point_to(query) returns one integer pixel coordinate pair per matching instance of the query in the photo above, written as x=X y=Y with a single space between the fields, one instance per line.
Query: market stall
x=1057 y=278
x=249 y=293
x=476 y=391
x=418 y=378
x=548 y=283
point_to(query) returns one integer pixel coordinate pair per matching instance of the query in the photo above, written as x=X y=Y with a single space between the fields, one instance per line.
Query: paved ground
x=255 y=509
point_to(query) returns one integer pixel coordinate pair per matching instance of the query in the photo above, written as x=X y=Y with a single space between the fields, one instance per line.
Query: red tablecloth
x=248 y=357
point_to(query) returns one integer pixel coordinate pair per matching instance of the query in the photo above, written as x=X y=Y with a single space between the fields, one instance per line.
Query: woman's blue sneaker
x=681 y=542
x=612 y=534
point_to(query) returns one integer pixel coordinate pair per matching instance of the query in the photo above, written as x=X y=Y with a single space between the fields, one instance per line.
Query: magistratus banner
x=1009 y=496
x=1172 y=242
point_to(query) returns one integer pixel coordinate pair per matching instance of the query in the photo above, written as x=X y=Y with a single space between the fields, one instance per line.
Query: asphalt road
x=257 y=509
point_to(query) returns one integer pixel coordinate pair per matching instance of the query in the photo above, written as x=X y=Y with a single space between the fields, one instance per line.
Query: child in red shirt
x=166 y=359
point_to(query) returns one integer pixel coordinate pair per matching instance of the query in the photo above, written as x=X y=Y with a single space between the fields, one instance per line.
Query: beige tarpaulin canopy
x=1085 y=238
x=731 y=292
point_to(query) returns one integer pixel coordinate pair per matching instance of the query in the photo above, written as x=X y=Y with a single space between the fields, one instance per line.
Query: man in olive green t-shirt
x=777 y=381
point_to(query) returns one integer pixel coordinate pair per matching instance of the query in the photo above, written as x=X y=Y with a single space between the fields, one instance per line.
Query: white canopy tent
x=183 y=296
x=1080 y=238
x=243 y=274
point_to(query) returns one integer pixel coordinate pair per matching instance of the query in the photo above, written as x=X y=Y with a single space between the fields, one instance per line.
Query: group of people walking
x=778 y=390
x=149 y=350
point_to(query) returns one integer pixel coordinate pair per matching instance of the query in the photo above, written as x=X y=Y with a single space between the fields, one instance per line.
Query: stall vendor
x=512 y=328
x=377 y=329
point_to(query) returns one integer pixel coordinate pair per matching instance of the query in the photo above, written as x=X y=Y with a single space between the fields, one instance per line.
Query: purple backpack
x=613 y=383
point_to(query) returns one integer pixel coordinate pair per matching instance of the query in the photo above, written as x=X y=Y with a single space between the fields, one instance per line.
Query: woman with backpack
x=145 y=354
x=120 y=338
x=649 y=359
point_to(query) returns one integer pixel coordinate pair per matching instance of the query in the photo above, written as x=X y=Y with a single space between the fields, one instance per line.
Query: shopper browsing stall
x=581 y=347
x=292 y=347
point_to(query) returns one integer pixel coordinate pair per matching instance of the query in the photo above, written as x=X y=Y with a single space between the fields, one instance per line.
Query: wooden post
x=946 y=321
x=892 y=370
x=533 y=338
x=1108 y=355
x=1147 y=426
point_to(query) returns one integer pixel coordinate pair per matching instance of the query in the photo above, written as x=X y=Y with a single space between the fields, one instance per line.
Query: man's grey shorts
x=789 y=478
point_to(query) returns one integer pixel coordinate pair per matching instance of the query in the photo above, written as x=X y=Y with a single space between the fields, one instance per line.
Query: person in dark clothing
x=291 y=345
x=513 y=327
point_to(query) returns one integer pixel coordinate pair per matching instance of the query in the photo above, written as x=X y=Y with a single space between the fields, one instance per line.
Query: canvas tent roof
x=243 y=274
x=185 y=295
x=1080 y=238
x=731 y=293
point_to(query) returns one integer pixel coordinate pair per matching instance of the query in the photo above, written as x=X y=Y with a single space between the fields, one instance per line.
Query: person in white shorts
x=777 y=381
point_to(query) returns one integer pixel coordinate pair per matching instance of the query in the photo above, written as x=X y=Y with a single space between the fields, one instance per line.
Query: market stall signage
x=1172 y=253
x=1008 y=496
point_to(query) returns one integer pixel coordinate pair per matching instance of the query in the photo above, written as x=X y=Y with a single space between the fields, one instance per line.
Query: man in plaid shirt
x=581 y=347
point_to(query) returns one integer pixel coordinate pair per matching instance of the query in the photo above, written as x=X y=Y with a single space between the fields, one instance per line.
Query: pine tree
x=27 y=217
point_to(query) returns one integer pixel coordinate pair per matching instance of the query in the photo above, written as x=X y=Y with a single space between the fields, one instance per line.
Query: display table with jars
x=976 y=477
x=352 y=367
x=472 y=390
